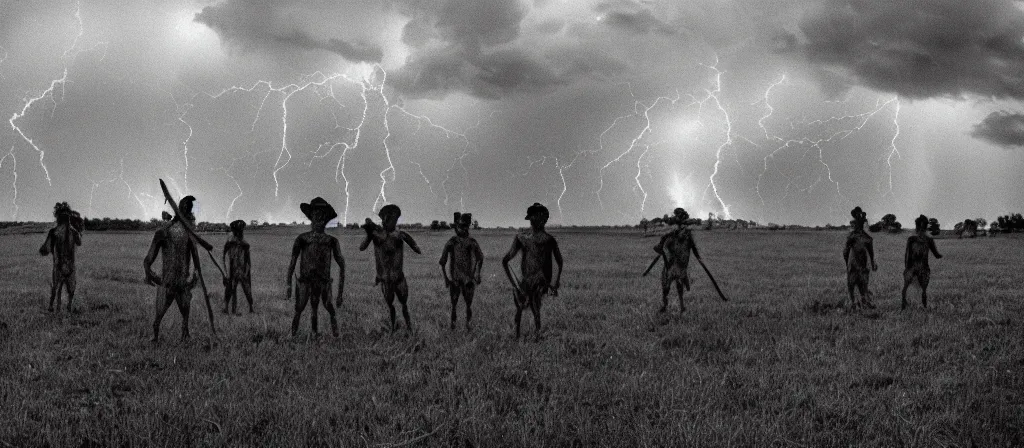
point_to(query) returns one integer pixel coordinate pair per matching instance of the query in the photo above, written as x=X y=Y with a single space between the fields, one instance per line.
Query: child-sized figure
x=236 y=258
x=61 y=242
x=916 y=260
x=389 y=247
x=859 y=250
x=538 y=249
x=316 y=249
x=467 y=262
x=675 y=248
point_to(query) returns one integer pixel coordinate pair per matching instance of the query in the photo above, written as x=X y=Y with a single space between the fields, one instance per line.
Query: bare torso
x=859 y=259
x=463 y=252
x=537 y=250
x=235 y=251
x=317 y=251
x=917 y=248
x=677 y=246
x=62 y=241
x=177 y=254
x=389 y=248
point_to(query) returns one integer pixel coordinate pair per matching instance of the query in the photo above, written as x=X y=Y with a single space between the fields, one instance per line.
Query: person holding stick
x=538 y=248
x=674 y=248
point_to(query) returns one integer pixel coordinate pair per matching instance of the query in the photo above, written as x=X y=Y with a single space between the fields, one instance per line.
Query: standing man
x=389 y=252
x=467 y=262
x=236 y=257
x=916 y=260
x=178 y=254
x=316 y=249
x=61 y=241
x=859 y=249
x=538 y=248
x=675 y=247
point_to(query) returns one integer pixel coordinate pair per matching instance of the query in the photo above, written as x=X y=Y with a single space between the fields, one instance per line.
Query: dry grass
x=777 y=365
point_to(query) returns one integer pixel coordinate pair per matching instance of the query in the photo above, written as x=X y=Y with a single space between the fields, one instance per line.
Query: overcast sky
x=788 y=111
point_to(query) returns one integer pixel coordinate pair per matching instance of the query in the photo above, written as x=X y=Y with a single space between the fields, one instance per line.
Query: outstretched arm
x=411 y=242
x=147 y=264
x=935 y=250
x=296 y=250
x=47 y=246
x=370 y=228
x=336 y=249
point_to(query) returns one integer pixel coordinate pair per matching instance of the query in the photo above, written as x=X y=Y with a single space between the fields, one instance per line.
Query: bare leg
x=535 y=309
x=325 y=296
x=54 y=287
x=519 y=318
x=389 y=298
x=163 y=304
x=228 y=291
x=247 y=289
x=907 y=277
x=680 y=289
x=234 y=295
x=184 y=306
x=70 y=284
x=315 y=293
x=402 y=290
x=453 y=292
x=467 y=295
x=300 y=304
x=666 y=287
x=924 y=280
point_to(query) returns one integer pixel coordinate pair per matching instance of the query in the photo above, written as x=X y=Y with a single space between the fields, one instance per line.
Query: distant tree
x=435 y=225
x=993 y=228
x=933 y=226
x=958 y=229
x=969 y=228
x=444 y=225
x=876 y=227
x=643 y=224
x=476 y=225
x=254 y=223
x=981 y=223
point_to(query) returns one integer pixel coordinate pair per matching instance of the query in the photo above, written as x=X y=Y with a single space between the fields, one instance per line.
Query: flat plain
x=778 y=365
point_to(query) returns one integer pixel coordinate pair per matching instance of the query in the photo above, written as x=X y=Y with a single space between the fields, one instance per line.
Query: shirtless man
x=236 y=258
x=858 y=251
x=467 y=262
x=916 y=260
x=675 y=248
x=388 y=250
x=61 y=242
x=316 y=249
x=179 y=252
x=538 y=249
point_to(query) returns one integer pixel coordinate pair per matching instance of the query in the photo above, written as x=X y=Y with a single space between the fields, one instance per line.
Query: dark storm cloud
x=471 y=46
x=1002 y=128
x=633 y=18
x=253 y=24
x=922 y=48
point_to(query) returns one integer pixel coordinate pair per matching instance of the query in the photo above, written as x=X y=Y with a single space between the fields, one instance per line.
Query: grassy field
x=778 y=365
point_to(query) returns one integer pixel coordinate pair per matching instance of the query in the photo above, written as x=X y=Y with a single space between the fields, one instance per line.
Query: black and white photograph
x=476 y=223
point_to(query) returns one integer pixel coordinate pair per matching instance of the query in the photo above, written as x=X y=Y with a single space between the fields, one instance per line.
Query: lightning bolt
x=892 y=144
x=713 y=95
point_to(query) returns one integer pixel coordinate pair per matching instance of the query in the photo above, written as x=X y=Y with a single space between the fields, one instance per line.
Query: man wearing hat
x=389 y=249
x=236 y=259
x=859 y=249
x=178 y=279
x=675 y=248
x=467 y=262
x=316 y=249
x=61 y=242
x=538 y=248
x=916 y=260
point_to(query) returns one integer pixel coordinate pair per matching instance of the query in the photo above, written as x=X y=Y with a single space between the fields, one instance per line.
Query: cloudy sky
x=606 y=111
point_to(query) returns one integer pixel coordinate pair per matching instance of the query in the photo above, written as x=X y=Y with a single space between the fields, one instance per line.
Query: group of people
x=461 y=263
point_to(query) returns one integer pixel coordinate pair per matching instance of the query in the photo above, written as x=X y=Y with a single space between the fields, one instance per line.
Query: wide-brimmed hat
x=537 y=210
x=237 y=226
x=465 y=219
x=859 y=215
x=389 y=210
x=318 y=209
